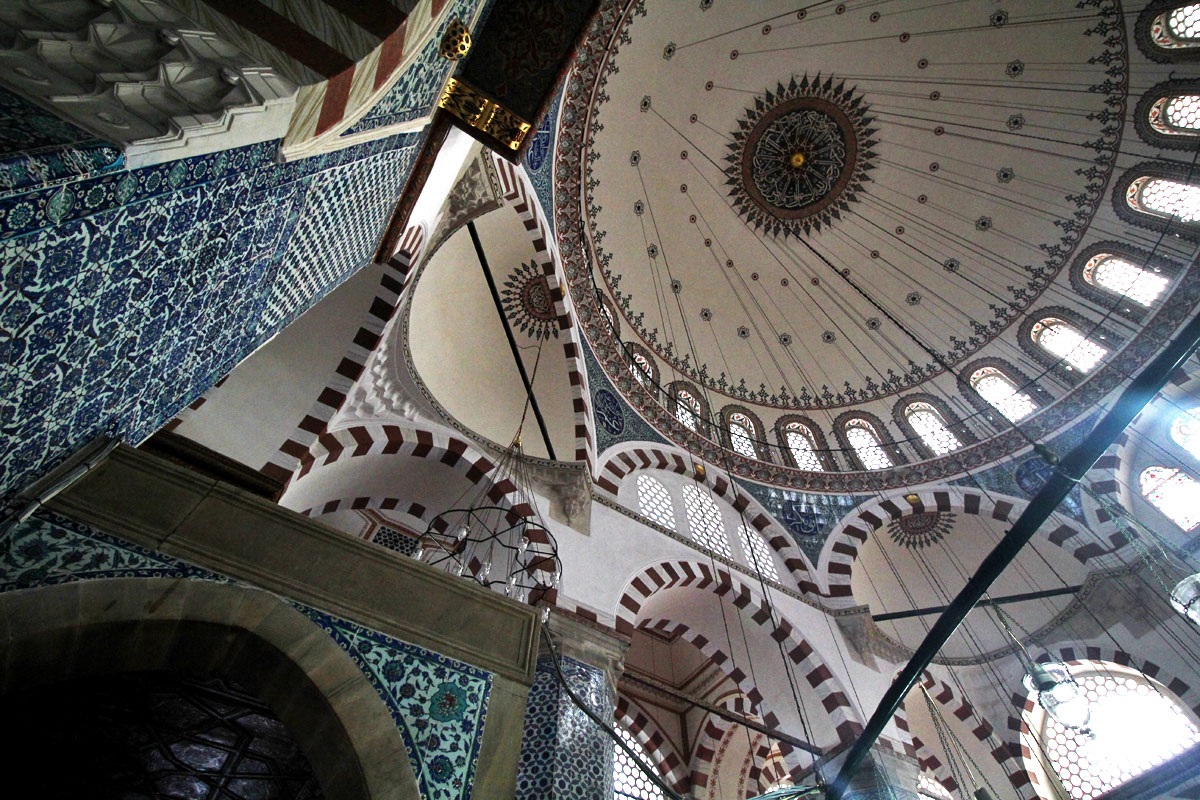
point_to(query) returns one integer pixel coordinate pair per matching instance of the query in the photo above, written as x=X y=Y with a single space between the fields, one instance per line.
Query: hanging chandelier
x=1185 y=597
x=1052 y=685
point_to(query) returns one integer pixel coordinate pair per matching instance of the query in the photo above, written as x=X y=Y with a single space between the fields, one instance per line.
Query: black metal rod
x=728 y=715
x=995 y=601
x=512 y=342
x=1069 y=471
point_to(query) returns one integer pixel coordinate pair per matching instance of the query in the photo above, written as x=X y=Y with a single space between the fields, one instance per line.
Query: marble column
x=564 y=755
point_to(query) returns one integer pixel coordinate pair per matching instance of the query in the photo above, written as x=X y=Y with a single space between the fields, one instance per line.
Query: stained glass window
x=641 y=369
x=757 y=552
x=932 y=429
x=1177 y=115
x=1124 y=278
x=800 y=441
x=687 y=409
x=1184 y=22
x=1165 y=198
x=1174 y=493
x=1185 y=430
x=1000 y=392
x=929 y=786
x=704 y=518
x=1134 y=727
x=867 y=444
x=654 y=502
x=1062 y=340
x=742 y=434
x=629 y=782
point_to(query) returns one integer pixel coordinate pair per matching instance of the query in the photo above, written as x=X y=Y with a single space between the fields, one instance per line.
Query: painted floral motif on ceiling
x=528 y=304
x=916 y=531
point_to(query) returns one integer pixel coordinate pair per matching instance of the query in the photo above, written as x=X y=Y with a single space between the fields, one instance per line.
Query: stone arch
x=713 y=732
x=621 y=462
x=853 y=530
x=97 y=627
x=661 y=749
x=701 y=577
x=1073 y=655
x=521 y=195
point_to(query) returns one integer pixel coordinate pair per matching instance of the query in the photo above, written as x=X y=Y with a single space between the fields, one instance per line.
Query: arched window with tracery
x=742 y=434
x=1002 y=394
x=1164 y=198
x=1173 y=492
x=629 y=782
x=1185 y=430
x=1124 y=279
x=641 y=369
x=704 y=518
x=1176 y=115
x=687 y=409
x=1063 y=340
x=928 y=423
x=802 y=445
x=1177 y=28
x=654 y=502
x=867 y=444
x=758 y=552
x=1136 y=724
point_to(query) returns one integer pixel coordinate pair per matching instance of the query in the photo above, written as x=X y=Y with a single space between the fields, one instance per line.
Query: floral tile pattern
x=439 y=704
x=125 y=296
x=564 y=756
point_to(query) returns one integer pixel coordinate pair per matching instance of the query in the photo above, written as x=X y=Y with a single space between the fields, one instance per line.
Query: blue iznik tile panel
x=564 y=755
x=125 y=296
x=416 y=92
x=438 y=704
x=616 y=422
x=808 y=518
x=39 y=149
x=539 y=159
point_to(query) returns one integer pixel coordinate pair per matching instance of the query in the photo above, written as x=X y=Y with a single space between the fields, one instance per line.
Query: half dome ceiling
x=819 y=211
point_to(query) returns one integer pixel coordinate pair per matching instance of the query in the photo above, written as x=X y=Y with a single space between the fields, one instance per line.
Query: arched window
x=742 y=434
x=687 y=409
x=929 y=787
x=994 y=386
x=1177 y=28
x=654 y=502
x=757 y=552
x=1176 y=115
x=704 y=518
x=1164 y=197
x=801 y=443
x=1173 y=492
x=866 y=443
x=641 y=369
x=1064 y=341
x=1124 y=278
x=1135 y=726
x=932 y=429
x=1185 y=430
x=629 y=782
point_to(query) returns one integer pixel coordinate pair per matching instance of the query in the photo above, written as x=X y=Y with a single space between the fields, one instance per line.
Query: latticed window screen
x=1183 y=112
x=1185 y=430
x=866 y=443
x=704 y=518
x=687 y=409
x=654 y=501
x=1135 y=727
x=629 y=782
x=641 y=369
x=1124 y=278
x=995 y=387
x=1184 y=22
x=929 y=786
x=1165 y=198
x=800 y=441
x=1174 y=493
x=932 y=429
x=742 y=434
x=1062 y=340
x=757 y=552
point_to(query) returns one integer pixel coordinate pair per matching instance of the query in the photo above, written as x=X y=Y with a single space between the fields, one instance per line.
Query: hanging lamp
x=1051 y=683
x=1185 y=597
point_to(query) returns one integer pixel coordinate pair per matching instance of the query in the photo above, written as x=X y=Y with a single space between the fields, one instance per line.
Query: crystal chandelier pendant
x=1185 y=597
x=1059 y=695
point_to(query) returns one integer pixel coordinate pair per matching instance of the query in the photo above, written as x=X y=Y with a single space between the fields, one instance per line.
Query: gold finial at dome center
x=798 y=159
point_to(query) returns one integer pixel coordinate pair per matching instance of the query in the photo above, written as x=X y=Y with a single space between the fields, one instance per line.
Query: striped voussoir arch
x=193 y=407
x=855 y=528
x=392 y=285
x=1023 y=704
x=381 y=439
x=664 y=757
x=619 y=466
x=521 y=195
x=928 y=761
x=682 y=574
x=713 y=732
